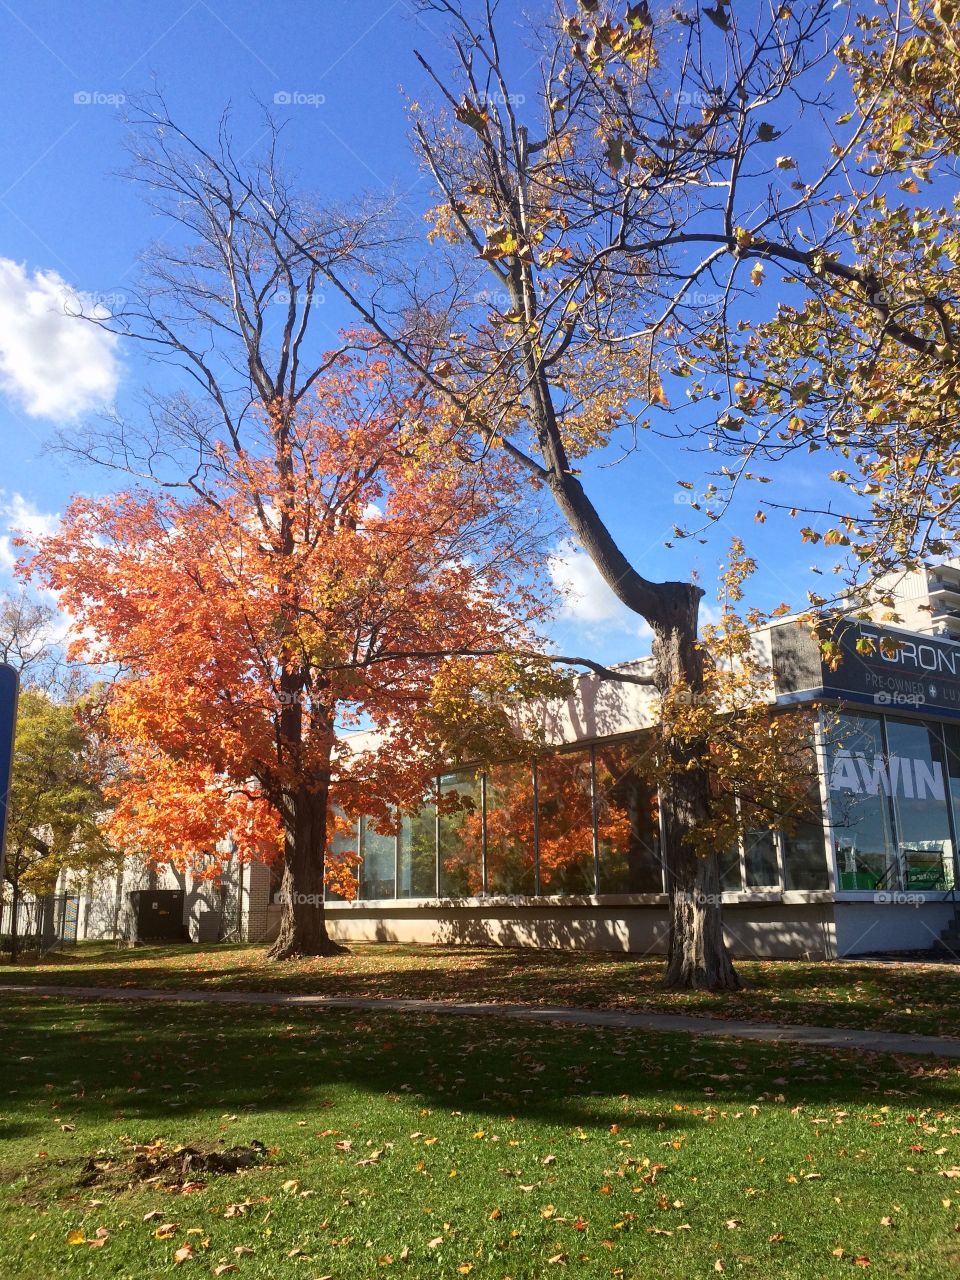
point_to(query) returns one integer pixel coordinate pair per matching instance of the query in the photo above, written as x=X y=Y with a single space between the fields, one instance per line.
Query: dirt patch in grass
x=174 y=1168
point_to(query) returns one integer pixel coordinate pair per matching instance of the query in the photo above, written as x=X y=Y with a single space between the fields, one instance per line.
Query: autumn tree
x=641 y=221
x=573 y=230
x=346 y=577
x=559 y=289
x=864 y=360
x=57 y=803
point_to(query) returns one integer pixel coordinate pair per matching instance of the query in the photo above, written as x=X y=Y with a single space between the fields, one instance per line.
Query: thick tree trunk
x=303 y=929
x=698 y=956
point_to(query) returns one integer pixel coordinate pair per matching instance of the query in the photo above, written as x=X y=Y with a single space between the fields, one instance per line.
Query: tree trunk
x=698 y=957
x=303 y=929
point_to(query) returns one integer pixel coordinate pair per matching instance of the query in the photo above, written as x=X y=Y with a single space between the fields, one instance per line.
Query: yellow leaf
x=76 y=1237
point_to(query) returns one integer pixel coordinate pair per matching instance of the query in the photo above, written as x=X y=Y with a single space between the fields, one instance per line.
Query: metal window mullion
x=596 y=819
x=536 y=831
x=891 y=803
x=396 y=858
x=826 y=803
x=741 y=845
x=484 y=873
x=436 y=841
x=953 y=820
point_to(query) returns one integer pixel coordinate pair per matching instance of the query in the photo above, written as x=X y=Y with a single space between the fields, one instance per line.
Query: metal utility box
x=156 y=915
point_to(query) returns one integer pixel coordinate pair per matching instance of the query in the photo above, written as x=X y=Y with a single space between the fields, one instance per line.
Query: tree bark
x=303 y=928
x=698 y=957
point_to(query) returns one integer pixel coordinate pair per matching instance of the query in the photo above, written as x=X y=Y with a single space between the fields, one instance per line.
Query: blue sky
x=334 y=73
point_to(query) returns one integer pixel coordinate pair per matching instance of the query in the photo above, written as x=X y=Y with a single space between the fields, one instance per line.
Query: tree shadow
x=164 y=1067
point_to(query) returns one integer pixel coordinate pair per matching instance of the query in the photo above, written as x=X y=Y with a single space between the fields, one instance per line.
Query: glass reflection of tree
x=565 y=795
x=461 y=836
x=510 y=848
x=418 y=854
x=628 y=823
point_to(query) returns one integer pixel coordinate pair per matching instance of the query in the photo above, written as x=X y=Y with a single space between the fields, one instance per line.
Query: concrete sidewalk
x=823 y=1037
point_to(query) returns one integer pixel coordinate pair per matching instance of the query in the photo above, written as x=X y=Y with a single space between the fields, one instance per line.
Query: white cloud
x=53 y=364
x=19 y=516
x=587 y=600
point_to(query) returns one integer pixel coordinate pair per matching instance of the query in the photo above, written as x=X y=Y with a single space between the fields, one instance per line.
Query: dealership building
x=566 y=851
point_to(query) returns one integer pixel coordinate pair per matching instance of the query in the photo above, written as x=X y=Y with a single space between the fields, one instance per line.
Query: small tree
x=57 y=804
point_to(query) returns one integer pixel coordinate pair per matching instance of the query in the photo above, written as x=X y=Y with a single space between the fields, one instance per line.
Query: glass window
x=731 y=879
x=805 y=856
x=510 y=849
x=343 y=840
x=378 y=869
x=628 y=823
x=565 y=800
x=760 y=859
x=917 y=775
x=460 y=831
x=417 y=854
x=860 y=804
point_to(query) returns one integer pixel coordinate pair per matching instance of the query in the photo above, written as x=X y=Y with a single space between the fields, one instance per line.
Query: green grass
x=919 y=998
x=435 y=1147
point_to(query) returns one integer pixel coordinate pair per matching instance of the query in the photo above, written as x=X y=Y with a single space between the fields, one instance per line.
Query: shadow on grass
x=172 y=1066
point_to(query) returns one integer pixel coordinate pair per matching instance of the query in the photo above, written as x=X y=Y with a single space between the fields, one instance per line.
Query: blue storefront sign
x=9 y=684
x=908 y=672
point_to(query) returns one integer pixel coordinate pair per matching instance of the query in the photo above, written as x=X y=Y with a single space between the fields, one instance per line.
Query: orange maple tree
x=344 y=574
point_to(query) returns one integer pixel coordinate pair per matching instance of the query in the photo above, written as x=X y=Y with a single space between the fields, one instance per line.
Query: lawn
x=920 y=998
x=423 y=1146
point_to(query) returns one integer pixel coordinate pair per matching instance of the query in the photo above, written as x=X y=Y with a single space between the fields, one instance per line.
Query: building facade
x=567 y=851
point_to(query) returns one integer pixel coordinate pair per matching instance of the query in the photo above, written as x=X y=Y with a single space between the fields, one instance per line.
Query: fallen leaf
x=183 y=1254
